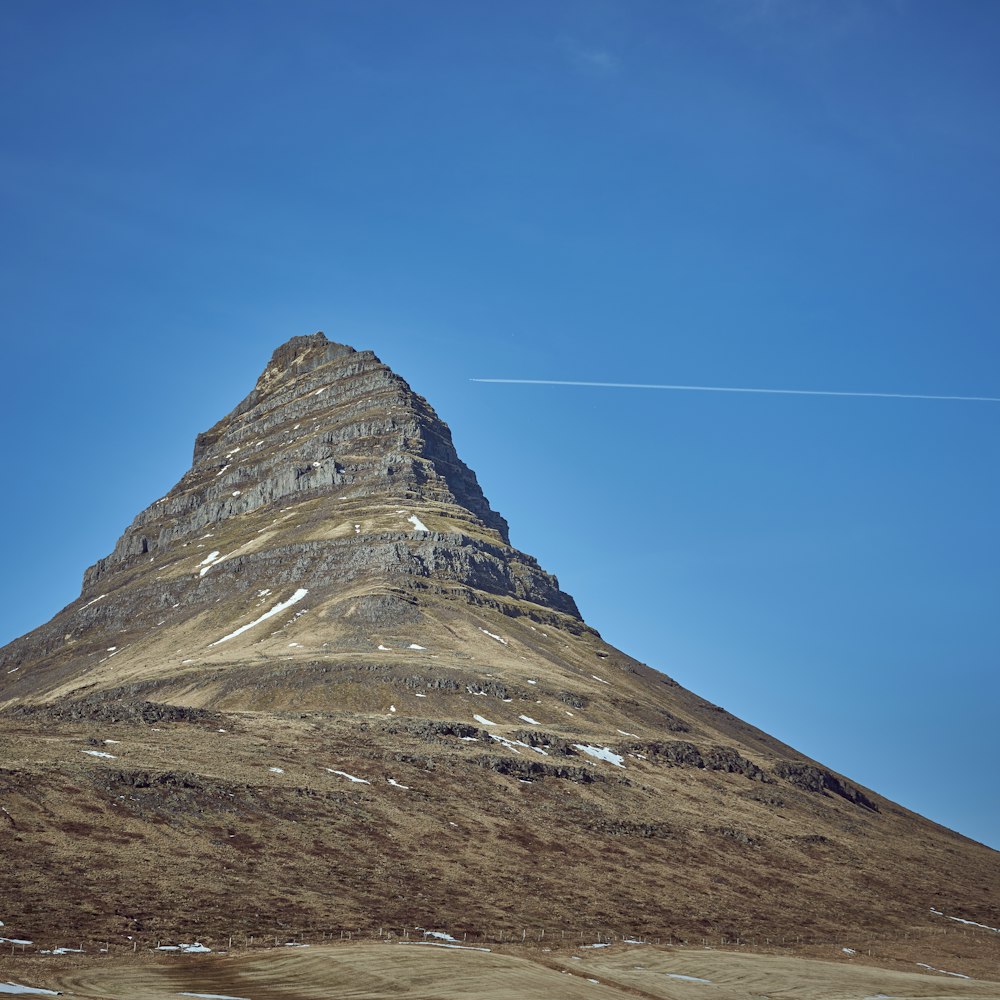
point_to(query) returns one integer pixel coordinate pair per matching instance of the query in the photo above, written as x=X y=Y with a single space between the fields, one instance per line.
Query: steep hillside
x=315 y=686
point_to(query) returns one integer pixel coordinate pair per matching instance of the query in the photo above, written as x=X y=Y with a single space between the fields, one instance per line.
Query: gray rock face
x=322 y=417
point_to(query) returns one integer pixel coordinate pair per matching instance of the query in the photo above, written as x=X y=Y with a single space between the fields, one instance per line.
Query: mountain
x=315 y=686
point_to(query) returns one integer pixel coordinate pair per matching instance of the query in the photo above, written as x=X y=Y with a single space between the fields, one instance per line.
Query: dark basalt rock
x=101 y=708
x=678 y=753
x=533 y=770
x=811 y=778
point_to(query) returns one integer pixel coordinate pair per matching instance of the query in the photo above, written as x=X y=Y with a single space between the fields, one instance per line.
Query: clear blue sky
x=787 y=193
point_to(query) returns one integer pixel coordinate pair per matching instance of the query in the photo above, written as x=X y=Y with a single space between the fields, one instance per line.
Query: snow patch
x=601 y=679
x=350 y=777
x=687 y=979
x=440 y=935
x=396 y=784
x=482 y=721
x=94 y=601
x=413 y=645
x=601 y=753
x=492 y=635
x=18 y=989
x=418 y=525
x=529 y=719
x=276 y=770
x=211 y=996
x=930 y=968
x=442 y=944
x=276 y=610
x=209 y=561
x=968 y=923
x=100 y=753
x=514 y=744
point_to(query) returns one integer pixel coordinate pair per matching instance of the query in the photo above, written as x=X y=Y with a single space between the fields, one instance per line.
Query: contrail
x=727 y=388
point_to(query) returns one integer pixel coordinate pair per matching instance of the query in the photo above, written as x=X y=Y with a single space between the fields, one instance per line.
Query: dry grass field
x=378 y=971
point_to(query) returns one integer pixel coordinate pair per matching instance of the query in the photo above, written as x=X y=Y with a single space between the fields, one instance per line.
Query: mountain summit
x=332 y=479
x=314 y=685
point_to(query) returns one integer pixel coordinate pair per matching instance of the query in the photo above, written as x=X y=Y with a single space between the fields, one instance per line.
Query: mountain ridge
x=326 y=612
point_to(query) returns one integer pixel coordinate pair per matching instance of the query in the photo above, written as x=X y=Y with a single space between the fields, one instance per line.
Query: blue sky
x=786 y=193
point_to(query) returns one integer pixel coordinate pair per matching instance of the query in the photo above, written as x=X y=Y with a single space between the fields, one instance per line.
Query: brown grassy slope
x=188 y=831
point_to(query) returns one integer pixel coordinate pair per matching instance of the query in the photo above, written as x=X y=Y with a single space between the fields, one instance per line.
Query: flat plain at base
x=382 y=971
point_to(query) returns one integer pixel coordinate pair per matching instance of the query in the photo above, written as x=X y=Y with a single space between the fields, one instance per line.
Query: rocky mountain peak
x=332 y=477
x=302 y=354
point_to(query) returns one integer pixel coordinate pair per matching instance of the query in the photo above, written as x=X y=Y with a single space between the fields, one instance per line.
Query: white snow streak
x=514 y=744
x=208 y=562
x=930 y=968
x=968 y=923
x=276 y=610
x=211 y=996
x=441 y=944
x=418 y=525
x=601 y=753
x=350 y=777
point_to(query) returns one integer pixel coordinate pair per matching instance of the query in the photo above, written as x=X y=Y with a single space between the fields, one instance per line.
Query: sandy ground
x=374 y=971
